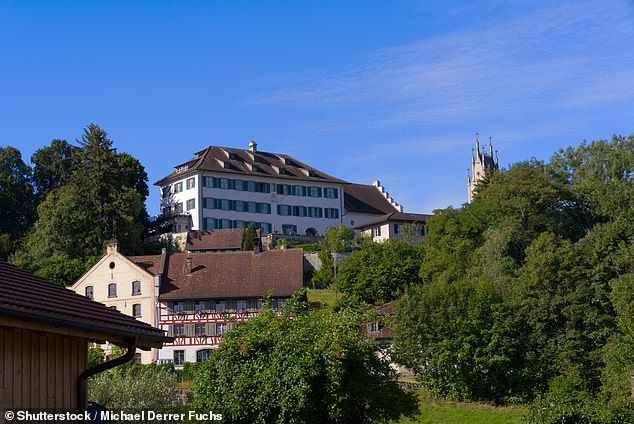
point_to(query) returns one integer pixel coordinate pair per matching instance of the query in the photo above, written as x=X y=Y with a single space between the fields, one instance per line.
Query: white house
x=222 y=187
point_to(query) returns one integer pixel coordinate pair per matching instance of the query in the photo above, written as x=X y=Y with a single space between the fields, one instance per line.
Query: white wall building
x=223 y=187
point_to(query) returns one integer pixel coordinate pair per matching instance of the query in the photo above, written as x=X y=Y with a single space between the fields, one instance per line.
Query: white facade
x=218 y=200
x=383 y=231
x=120 y=284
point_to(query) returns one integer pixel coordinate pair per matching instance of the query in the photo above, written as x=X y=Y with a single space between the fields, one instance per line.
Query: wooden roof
x=26 y=297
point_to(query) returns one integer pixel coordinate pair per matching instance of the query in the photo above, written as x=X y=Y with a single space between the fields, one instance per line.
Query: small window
x=178 y=187
x=191 y=204
x=203 y=354
x=190 y=183
x=221 y=328
x=136 y=288
x=89 y=292
x=374 y=327
x=179 y=357
x=376 y=232
x=179 y=330
x=112 y=290
x=178 y=307
x=397 y=228
x=136 y=310
x=241 y=305
x=199 y=330
x=137 y=358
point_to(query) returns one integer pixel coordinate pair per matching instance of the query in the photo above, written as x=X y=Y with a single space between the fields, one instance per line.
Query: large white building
x=222 y=187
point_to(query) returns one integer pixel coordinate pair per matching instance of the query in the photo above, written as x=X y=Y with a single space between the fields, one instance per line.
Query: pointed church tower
x=481 y=162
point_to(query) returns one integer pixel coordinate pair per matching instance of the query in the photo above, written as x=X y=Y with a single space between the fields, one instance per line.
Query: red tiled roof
x=228 y=274
x=396 y=217
x=238 y=161
x=366 y=199
x=28 y=297
x=225 y=239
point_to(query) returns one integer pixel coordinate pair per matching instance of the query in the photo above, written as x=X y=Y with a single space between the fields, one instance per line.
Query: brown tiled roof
x=150 y=263
x=229 y=274
x=225 y=239
x=366 y=199
x=396 y=217
x=27 y=297
x=241 y=162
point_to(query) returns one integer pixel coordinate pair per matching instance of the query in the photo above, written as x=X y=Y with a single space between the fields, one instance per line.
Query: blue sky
x=388 y=90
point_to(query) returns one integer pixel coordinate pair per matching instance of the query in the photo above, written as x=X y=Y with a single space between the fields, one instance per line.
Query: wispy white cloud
x=477 y=72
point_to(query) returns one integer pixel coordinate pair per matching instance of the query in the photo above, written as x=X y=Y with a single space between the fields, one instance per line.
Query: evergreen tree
x=248 y=234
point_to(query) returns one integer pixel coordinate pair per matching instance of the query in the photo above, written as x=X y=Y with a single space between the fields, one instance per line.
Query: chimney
x=112 y=246
x=253 y=146
x=188 y=267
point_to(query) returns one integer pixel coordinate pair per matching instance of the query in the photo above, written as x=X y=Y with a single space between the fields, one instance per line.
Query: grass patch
x=440 y=411
x=325 y=296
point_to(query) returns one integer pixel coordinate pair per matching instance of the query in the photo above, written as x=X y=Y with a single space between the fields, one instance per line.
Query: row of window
x=260 y=187
x=237 y=205
x=309 y=211
x=189 y=205
x=112 y=290
x=136 y=310
x=228 y=305
x=219 y=224
x=199 y=330
x=201 y=356
x=189 y=183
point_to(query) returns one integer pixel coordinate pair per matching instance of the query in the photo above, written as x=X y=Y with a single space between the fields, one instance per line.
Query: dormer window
x=287 y=161
x=257 y=159
x=233 y=156
x=226 y=165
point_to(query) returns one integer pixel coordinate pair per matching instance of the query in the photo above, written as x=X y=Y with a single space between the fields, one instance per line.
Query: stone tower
x=481 y=162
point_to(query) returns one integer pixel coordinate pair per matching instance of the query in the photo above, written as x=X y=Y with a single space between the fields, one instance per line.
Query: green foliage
x=459 y=339
x=95 y=355
x=309 y=247
x=104 y=195
x=282 y=244
x=601 y=172
x=301 y=367
x=337 y=239
x=379 y=272
x=53 y=166
x=248 y=234
x=529 y=290
x=17 y=201
x=133 y=388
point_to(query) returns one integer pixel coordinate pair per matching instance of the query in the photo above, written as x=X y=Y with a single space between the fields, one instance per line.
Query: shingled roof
x=227 y=274
x=27 y=297
x=225 y=239
x=398 y=217
x=246 y=162
x=366 y=199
